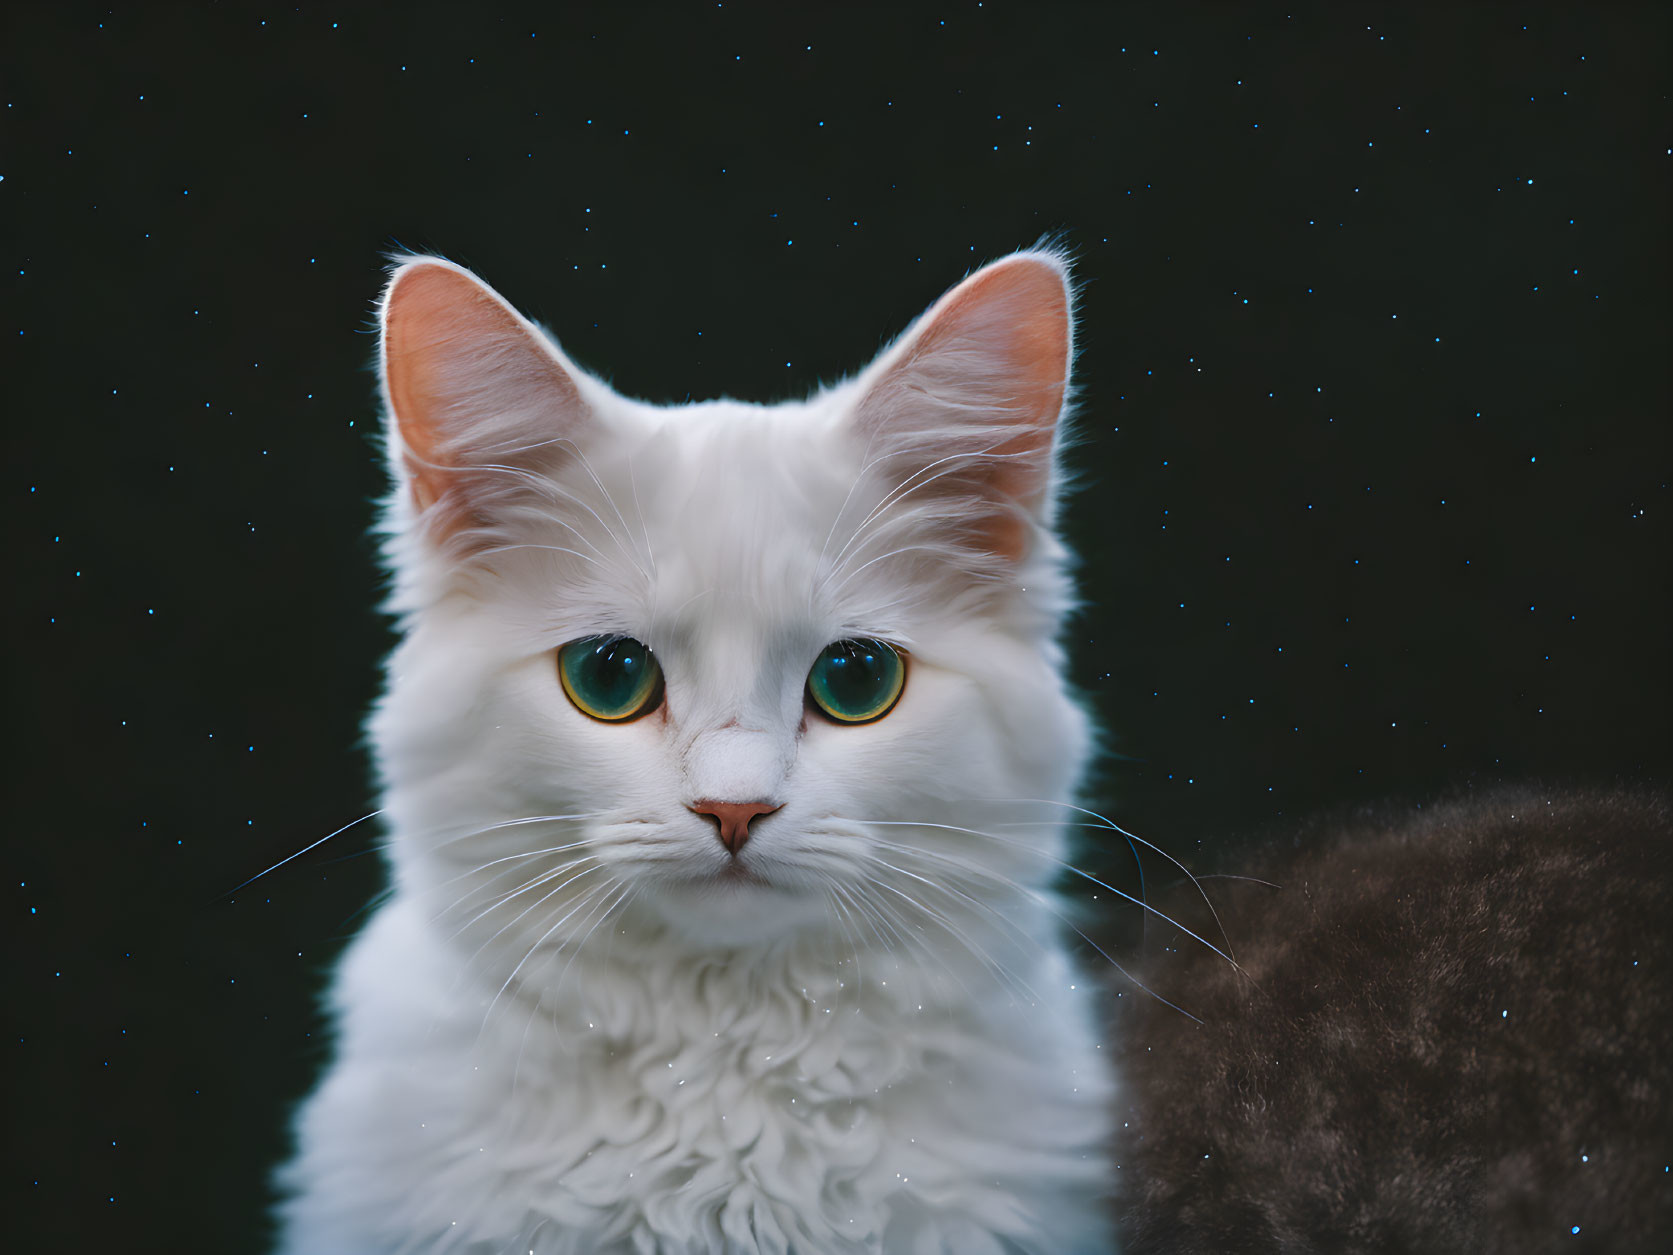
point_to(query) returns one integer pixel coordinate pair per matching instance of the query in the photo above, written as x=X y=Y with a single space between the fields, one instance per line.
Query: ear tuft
x=1015 y=315
x=469 y=383
x=977 y=389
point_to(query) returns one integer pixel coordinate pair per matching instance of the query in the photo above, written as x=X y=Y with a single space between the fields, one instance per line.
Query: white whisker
x=892 y=918
x=1070 y=867
x=628 y=892
x=533 y=883
x=1044 y=900
x=553 y=490
x=639 y=510
x=899 y=492
x=611 y=501
x=858 y=907
x=588 y=897
x=512 y=548
x=842 y=918
x=987 y=907
x=1132 y=837
x=522 y=857
x=511 y=823
x=1000 y=971
x=312 y=845
x=884 y=557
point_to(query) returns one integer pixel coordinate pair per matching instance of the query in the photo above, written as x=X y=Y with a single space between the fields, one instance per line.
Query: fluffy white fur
x=578 y=1024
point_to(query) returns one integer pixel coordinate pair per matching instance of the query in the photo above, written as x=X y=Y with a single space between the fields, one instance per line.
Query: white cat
x=726 y=759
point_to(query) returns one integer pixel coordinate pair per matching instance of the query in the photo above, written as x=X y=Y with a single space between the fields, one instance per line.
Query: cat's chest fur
x=768 y=1100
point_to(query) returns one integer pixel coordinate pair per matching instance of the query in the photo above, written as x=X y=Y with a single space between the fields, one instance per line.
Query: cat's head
x=732 y=662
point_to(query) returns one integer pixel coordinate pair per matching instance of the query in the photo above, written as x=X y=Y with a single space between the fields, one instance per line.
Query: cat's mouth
x=734 y=877
x=735 y=873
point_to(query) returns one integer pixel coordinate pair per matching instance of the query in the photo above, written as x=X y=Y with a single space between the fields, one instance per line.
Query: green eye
x=613 y=678
x=856 y=681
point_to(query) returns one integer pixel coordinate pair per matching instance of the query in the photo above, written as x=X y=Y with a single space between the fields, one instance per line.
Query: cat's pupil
x=612 y=671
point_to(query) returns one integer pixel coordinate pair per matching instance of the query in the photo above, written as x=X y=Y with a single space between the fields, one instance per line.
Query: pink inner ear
x=1004 y=333
x=451 y=346
x=1018 y=312
x=427 y=306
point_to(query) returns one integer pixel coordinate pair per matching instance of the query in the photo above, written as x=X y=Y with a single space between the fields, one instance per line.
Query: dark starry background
x=1374 y=460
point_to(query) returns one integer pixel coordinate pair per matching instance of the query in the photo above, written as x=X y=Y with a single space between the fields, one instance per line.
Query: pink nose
x=732 y=819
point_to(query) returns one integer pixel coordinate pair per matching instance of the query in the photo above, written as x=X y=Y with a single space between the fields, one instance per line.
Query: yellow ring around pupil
x=872 y=661
x=608 y=679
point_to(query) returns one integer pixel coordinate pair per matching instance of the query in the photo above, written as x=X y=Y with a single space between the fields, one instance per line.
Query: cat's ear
x=969 y=399
x=477 y=396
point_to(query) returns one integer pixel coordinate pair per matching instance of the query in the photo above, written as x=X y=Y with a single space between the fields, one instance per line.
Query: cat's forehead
x=735 y=501
x=769 y=447
x=715 y=530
